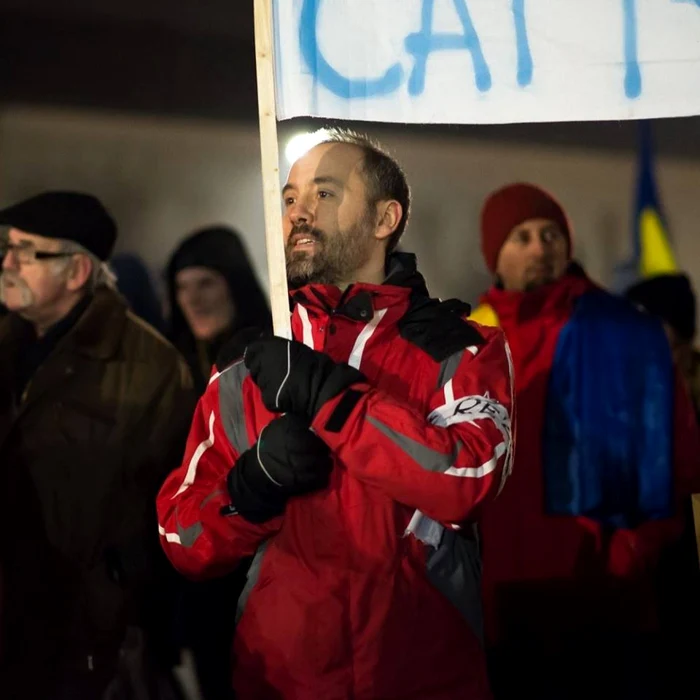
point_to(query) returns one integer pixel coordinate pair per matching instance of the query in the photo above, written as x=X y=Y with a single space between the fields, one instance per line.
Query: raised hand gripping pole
x=272 y=195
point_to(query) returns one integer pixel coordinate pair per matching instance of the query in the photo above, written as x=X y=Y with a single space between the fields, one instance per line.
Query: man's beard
x=334 y=260
x=26 y=295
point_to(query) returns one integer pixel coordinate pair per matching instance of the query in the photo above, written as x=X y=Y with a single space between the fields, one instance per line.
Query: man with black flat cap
x=93 y=402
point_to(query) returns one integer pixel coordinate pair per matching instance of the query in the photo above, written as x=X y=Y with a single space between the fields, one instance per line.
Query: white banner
x=487 y=61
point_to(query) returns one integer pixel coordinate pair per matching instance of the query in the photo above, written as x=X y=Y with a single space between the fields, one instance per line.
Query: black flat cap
x=73 y=216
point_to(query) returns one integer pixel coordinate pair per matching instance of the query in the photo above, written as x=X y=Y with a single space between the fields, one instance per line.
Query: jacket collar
x=96 y=334
x=360 y=300
x=99 y=332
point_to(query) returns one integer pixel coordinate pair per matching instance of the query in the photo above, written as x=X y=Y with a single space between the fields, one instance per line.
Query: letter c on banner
x=324 y=73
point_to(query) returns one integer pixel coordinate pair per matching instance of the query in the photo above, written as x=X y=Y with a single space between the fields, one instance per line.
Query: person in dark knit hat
x=94 y=407
x=213 y=293
x=672 y=299
x=571 y=546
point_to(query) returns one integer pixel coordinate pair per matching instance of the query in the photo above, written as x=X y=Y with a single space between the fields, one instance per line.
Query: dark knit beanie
x=72 y=216
x=510 y=206
x=670 y=298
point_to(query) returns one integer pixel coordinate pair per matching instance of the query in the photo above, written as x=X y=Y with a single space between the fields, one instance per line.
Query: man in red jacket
x=352 y=462
x=607 y=446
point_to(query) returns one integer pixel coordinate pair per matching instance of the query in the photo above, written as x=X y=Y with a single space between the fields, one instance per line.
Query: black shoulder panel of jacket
x=234 y=348
x=439 y=327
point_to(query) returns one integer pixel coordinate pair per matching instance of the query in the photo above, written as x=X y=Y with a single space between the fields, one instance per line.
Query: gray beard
x=27 y=298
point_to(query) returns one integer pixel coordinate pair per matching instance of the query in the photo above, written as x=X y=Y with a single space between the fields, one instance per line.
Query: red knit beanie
x=510 y=206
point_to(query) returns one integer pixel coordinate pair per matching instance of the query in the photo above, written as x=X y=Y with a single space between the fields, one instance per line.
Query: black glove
x=287 y=460
x=293 y=378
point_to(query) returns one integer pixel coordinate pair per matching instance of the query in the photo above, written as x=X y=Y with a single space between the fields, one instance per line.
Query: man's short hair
x=384 y=177
x=101 y=274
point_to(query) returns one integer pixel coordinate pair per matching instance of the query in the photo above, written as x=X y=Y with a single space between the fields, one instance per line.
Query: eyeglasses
x=26 y=253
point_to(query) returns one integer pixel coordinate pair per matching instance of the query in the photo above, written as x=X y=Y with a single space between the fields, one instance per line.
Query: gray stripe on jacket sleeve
x=231 y=406
x=426 y=457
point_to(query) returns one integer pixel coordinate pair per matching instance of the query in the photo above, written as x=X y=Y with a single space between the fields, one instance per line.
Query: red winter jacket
x=370 y=588
x=547 y=576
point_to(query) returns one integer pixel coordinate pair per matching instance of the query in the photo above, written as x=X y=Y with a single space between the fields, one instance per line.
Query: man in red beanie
x=526 y=237
x=607 y=445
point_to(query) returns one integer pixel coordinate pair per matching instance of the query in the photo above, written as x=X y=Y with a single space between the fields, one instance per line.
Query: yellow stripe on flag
x=656 y=256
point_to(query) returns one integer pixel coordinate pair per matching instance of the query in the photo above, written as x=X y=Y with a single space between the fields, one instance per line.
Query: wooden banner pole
x=269 y=151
